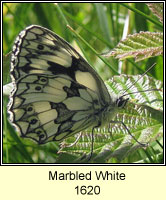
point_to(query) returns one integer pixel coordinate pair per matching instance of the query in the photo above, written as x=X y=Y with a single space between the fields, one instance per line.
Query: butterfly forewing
x=56 y=92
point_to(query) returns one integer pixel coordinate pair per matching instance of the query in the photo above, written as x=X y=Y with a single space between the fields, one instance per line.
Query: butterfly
x=56 y=92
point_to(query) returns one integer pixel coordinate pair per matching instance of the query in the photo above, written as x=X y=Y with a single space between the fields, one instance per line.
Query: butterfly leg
x=75 y=142
x=109 y=128
x=92 y=141
x=120 y=122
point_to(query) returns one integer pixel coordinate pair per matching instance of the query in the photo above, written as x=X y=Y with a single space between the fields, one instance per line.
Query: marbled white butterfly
x=56 y=92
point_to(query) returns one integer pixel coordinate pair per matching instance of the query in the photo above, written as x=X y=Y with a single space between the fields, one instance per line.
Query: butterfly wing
x=56 y=92
x=47 y=108
x=39 y=50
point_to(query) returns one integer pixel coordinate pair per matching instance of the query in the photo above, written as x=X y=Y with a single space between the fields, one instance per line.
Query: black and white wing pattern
x=56 y=92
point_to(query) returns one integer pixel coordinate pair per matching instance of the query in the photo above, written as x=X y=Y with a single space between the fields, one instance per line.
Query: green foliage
x=144 y=118
x=139 y=46
x=142 y=45
x=101 y=25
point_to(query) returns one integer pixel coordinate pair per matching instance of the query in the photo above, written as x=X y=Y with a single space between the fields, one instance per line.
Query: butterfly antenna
x=141 y=91
x=139 y=79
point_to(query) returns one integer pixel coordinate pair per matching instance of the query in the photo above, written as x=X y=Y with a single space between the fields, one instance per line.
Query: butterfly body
x=56 y=92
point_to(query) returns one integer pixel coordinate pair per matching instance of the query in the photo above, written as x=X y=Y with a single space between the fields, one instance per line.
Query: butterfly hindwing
x=56 y=92
x=52 y=108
